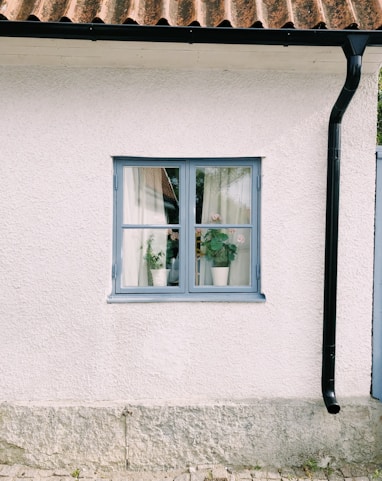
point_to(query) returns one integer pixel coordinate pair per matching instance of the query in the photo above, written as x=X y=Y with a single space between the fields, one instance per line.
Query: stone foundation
x=146 y=437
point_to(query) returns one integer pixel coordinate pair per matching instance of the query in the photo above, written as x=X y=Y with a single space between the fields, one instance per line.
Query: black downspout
x=353 y=50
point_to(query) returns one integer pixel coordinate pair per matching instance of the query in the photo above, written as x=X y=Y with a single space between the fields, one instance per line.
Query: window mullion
x=188 y=223
x=183 y=228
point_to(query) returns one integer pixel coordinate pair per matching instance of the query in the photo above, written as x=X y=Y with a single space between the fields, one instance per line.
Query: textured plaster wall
x=62 y=341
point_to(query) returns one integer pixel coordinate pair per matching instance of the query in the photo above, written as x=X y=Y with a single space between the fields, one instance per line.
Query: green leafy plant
x=310 y=467
x=377 y=474
x=155 y=260
x=76 y=474
x=217 y=247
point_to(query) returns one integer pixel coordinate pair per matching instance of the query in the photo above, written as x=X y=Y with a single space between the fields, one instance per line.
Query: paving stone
x=183 y=477
x=45 y=473
x=319 y=474
x=358 y=471
x=287 y=473
x=259 y=474
x=272 y=473
x=334 y=475
x=300 y=473
x=346 y=470
x=18 y=478
x=30 y=473
x=199 y=476
x=244 y=475
x=220 y=474
x=374 y=470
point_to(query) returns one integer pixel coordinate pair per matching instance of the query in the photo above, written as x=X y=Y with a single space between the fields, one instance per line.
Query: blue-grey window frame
x=186 y=291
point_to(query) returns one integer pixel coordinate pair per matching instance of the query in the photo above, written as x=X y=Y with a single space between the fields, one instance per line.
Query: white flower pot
x=220 y=276
x=159 y=277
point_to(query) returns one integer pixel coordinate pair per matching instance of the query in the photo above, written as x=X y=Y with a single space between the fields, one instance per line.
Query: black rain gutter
x=353 y=50
x=353 y=43
x=164 y=33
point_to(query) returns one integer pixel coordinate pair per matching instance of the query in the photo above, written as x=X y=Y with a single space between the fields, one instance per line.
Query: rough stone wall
x=137 y=437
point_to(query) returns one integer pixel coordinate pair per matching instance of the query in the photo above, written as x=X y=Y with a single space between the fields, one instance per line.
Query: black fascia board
x=190 y=35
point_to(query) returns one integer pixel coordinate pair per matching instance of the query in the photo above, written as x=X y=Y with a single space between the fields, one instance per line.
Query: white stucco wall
x=62 y=343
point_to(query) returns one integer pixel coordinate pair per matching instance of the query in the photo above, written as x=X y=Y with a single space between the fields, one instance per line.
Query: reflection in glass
x=150 y=195
x=223 y=194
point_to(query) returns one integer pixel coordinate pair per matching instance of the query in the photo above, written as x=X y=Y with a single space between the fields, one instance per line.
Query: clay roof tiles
x=275 y=14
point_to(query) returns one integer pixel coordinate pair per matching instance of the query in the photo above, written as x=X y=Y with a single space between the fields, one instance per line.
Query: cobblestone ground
x=199 y=473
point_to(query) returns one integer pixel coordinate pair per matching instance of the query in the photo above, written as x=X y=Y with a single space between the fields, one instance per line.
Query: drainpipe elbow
x=330 y=401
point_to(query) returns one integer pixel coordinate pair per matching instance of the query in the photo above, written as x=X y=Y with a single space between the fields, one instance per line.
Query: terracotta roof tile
x=299 y=14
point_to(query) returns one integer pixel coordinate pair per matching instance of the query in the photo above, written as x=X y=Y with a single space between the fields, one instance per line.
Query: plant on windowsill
x=156 y=269
x=154 y=260
x=217 y=247
x=219 y=250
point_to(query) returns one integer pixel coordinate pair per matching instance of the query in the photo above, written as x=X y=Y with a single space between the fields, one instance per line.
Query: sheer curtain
x=227 y=192
x=142 y=204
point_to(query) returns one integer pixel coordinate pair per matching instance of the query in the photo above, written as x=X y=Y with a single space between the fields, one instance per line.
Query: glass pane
x=223 y=195
x=150 y=257
x=223 y=257
x=150 y=195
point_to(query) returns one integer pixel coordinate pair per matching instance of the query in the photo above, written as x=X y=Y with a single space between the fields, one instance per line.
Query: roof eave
x=190 y=35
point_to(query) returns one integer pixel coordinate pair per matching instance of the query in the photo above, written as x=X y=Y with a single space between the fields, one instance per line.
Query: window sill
x=234 y=297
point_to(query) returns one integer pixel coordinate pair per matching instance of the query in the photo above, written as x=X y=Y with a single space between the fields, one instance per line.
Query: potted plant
x=218 y=249
x=156 y=269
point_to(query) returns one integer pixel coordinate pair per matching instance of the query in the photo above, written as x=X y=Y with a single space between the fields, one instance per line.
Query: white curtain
x=227 y=192
x=142 y=204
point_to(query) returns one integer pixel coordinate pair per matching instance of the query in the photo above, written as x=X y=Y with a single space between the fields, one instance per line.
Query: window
x=186 y=229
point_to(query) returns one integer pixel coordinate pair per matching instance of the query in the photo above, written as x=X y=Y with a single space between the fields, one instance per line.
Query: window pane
x=223 y=195
x=149 y=257
x=225 y=253
x=150 y=195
